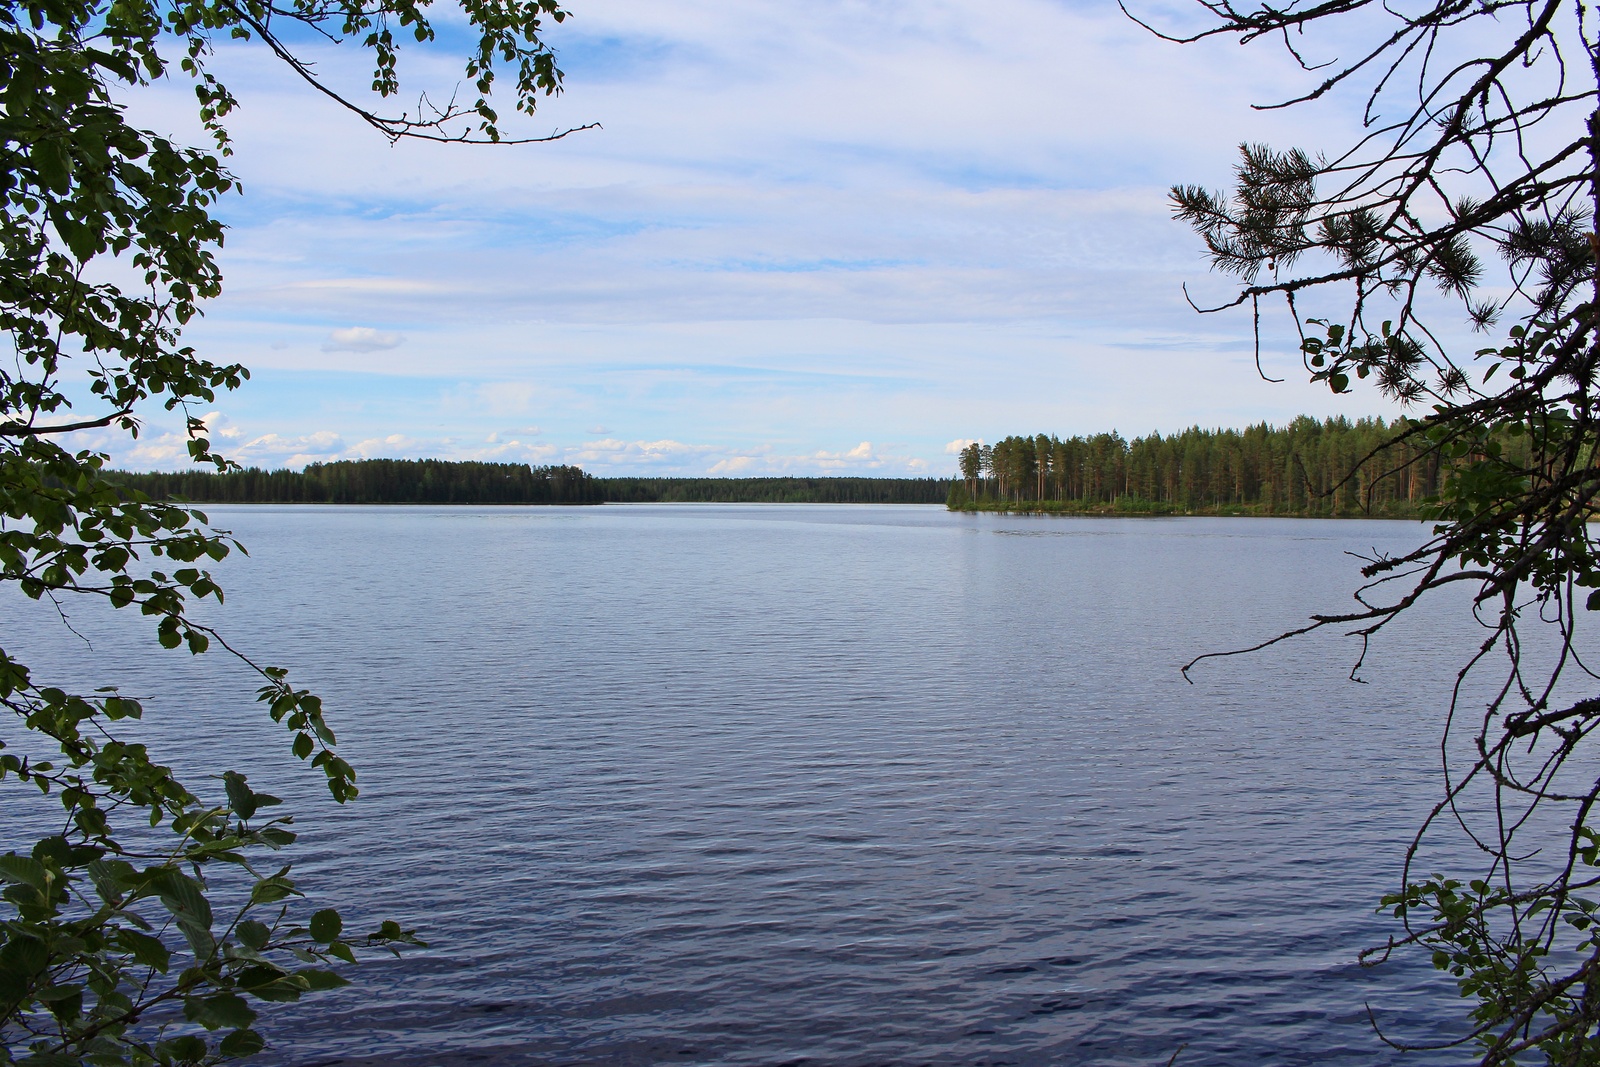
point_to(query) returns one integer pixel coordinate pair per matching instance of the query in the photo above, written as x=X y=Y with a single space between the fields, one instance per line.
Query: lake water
x=832 y=785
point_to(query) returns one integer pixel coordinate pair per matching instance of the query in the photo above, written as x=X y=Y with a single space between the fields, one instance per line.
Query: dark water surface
x=831 y=785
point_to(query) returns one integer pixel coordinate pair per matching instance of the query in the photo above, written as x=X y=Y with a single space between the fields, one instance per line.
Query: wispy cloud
x=361 y=339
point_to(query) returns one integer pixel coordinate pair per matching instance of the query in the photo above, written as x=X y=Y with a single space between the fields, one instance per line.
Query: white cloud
x=514 y=451
x=361 y=339
x=168 y=449
x=732 y=466
x=959 y=445
x=220 y=427
x=647 y=456
x=156 y=453
x=860 y=457
x=391 y=446
x=277 y=450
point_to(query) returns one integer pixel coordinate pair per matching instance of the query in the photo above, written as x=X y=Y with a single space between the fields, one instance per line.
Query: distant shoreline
x=395 y=481
x=532 y=503
x=1030 y=508
x=1148 y=510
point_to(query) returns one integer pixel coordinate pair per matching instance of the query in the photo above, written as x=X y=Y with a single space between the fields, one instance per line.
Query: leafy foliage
x=1470 y=198
x=145 y=930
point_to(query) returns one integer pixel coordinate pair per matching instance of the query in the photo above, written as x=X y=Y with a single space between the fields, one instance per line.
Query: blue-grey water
x=828 y=785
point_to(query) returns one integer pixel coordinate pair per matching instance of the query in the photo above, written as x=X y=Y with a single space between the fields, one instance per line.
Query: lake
x=832 y=785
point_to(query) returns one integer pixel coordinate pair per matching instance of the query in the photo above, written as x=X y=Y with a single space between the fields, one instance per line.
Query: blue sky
x=838 y=237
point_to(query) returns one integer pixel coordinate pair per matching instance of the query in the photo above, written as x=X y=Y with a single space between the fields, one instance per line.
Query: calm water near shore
x=825 y=784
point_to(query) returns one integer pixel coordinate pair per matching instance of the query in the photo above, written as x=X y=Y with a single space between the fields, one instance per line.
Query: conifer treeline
x=377 y=481
x=1262 y=469
x=432 y=481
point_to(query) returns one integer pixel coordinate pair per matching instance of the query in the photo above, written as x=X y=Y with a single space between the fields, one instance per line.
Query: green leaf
x=240 y=798
x=113 y=878
x=254 y=934
x=319 y=980
x=277 y=836
x=122 y=708
x=57 y=993
x=219 y=1010
x=182 y=896
x=258 y=975
x=51 y=1059
x=272 y=889
x=64 y=1001
x=326 y=925
x=144 y=948
x=24 y=869
x=185 y=1049
x=169 y=636
x=24 y=956
x=242 y=1043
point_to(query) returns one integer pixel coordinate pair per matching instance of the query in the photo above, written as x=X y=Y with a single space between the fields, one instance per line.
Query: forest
x=432 y=481
x=374 y=481
x=1334 y=467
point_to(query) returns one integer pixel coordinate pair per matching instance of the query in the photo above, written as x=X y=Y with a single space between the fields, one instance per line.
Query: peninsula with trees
x=1335 y=468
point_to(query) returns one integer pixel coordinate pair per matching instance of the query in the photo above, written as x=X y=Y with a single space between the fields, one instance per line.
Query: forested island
x=432 y=481
x=1331 y=468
